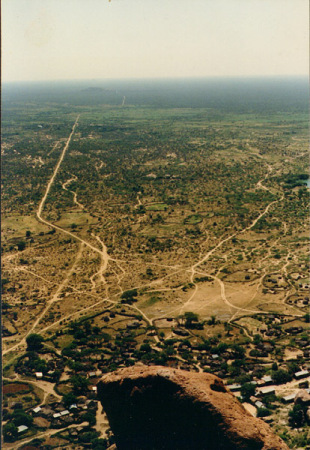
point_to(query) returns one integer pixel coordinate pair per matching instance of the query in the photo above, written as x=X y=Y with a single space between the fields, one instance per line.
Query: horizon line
x=163 y=78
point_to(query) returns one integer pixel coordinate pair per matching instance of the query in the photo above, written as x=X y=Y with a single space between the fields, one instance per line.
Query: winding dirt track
x=64 y=186
x=48 y=188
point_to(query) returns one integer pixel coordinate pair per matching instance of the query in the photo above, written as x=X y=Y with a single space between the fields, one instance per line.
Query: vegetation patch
x=193 y=219
x=157 y=207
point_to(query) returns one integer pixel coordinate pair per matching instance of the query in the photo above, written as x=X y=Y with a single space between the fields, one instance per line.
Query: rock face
x=302 y=398
x=158 y=408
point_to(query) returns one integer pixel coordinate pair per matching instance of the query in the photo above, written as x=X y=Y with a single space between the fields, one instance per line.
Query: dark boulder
x=158 y=408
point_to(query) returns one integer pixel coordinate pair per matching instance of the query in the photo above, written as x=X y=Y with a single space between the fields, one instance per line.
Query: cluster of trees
x=191 y=321
x=17 y=418
x=34 y=342
x=298 y=416
x=293 y=180
x=129 y=296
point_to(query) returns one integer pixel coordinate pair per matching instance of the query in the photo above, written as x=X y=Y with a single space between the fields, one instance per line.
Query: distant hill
x=94 y=90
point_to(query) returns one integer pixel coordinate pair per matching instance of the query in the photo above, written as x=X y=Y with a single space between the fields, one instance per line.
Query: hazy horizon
x=230 y=94
x=172 y=78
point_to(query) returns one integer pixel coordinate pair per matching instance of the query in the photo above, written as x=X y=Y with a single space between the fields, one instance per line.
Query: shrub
x=21 y=245
x=129 y=296
x=263 y=412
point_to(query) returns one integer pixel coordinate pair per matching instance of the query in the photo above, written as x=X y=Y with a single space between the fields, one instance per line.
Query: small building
x=259 y=404
x=64 y=413
x=39 y=375
x=301 y=374
x=22 y=429
x=91 y=374
x=267 y=379
x=37 y=409
x=234 y=387
x=289 y=398
x=56 y=415
x=267 y=390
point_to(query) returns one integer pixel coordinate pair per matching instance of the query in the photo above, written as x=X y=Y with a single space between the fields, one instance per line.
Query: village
x=64 y=369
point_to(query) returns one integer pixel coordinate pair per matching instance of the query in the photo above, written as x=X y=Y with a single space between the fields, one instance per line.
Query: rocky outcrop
x=158 y=408
x=302 y=398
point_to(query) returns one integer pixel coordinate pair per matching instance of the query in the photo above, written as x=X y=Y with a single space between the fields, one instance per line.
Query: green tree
x=307 y=317
x=228 y=328
x=220 y=348
x=69 y=399
x=247 y=390
x=190 y=317
x=297 y=416
x=262 y=412
x=145 y=348
x=129 y=296
x=34 y=342
x=21 y=418
x=10 y=432
x=79 y=384
x=280 y=376
x=212 y=321
x=90 y=418
x=238 y=351
x=257 y=339
x=21 y=245
x=100 y=444
x=149 y=272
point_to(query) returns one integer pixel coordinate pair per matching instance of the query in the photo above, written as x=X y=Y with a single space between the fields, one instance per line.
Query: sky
x=102 y=39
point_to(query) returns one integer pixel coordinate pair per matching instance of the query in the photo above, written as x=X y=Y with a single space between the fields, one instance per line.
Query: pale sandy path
x=49 y=185
x=64 y=186
x=102 y=423
x=49 y=304
x=48 y=188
